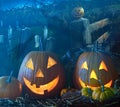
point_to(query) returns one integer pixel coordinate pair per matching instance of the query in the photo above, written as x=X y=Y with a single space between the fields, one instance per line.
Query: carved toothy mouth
x=42 y=88
x=94 y=87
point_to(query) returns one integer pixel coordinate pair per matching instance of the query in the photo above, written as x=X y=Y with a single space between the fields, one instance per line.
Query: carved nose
x=93 y=75
x=39 y=73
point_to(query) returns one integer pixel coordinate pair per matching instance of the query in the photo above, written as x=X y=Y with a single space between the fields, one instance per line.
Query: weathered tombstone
x=10 y=37
x=3 y=56
x=25 y=35
x=50 y=44
x=37 y=41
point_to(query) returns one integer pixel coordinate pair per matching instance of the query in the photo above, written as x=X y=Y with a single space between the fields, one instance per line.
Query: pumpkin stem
x=95 y=46
x=9 y=78
x=41 y=45
x=101 y=83
x=102 y=88
x=89 y=90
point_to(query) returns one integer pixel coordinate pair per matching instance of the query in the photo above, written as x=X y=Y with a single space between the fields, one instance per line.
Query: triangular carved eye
x=51 y=62
x=103 y=66
x=84 y=66
x=29 y=64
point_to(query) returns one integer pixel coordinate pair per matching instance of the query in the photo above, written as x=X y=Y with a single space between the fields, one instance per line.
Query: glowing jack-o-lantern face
x=94 y=69
x=42 y=74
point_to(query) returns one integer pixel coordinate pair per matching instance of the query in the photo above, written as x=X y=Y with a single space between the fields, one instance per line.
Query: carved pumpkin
x=10 y=87
x=93 y=67
x=42 y=74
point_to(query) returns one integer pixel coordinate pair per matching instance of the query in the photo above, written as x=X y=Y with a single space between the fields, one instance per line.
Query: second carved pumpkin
x=42 y=74
x=93 y=68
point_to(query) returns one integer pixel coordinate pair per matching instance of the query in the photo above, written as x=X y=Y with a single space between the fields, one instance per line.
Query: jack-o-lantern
x=93 y=68
x=42 y=74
